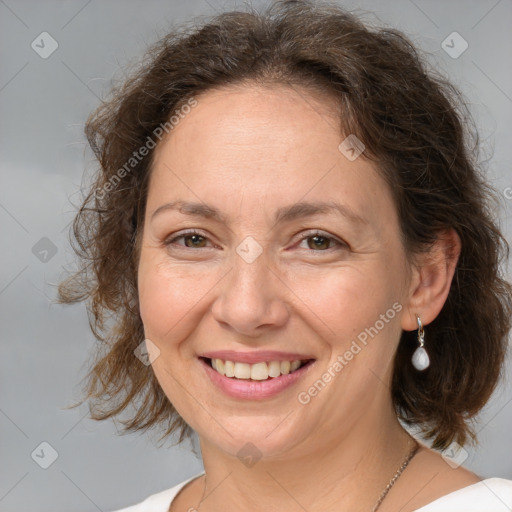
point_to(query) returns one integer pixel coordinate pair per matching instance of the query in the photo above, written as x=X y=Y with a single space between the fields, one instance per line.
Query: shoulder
x=489 y=495
x=160 y=501
x=432 y=484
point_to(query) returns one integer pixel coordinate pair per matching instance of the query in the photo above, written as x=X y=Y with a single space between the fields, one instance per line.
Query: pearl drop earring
x=420 y=359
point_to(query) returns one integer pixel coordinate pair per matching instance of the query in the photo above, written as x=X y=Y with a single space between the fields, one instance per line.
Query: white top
x=489 y=495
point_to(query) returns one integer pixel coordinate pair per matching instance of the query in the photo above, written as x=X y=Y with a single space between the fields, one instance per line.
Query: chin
x=255 y=437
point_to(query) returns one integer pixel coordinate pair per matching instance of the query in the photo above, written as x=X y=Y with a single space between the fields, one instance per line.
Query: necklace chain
x=404 y=464
x=384 y=493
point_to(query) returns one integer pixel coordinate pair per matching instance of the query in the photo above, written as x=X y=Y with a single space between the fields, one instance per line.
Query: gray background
x=46 y=347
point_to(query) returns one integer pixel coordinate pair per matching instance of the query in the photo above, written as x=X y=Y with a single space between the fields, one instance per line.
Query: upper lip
x=255 y=357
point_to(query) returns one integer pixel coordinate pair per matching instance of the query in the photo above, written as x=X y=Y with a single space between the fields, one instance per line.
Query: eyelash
x=311 y=234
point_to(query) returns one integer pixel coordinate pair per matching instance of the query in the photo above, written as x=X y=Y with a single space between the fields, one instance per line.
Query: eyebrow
x=283 y=214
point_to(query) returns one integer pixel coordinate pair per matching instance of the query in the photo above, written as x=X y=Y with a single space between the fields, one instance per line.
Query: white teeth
x=257 y=371
x=274 y=369
x=294 y=366
x=242 y=371
x=229 y=368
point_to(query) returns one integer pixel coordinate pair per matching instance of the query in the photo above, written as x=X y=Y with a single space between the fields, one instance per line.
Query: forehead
x=257 y=119
x=268 y=145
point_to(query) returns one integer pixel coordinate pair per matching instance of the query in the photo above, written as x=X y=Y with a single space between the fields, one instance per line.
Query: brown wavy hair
x=414 y=123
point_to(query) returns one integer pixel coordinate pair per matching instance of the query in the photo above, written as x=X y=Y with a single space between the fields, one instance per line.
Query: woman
x=292 y=237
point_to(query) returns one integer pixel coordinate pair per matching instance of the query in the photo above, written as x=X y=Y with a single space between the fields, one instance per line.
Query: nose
x=251 y=299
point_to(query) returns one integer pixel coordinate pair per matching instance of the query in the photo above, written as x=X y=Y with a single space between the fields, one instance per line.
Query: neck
x=348 y=471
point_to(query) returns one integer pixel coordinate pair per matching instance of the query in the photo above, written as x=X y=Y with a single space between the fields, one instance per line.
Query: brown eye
x=318 y=242
x=194 y=240
x=189 y=240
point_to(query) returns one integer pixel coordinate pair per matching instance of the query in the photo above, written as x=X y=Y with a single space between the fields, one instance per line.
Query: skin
x=247 y=152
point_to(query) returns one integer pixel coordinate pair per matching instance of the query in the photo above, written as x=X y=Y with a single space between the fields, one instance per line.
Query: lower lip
x=253 y=389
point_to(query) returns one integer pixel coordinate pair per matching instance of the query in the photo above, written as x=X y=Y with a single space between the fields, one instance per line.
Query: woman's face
x=278 y=241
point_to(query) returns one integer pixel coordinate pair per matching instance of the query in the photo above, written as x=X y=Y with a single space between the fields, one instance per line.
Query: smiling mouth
x=264 y=370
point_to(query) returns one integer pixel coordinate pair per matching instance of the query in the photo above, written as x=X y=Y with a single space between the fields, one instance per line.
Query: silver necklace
x=404 y=464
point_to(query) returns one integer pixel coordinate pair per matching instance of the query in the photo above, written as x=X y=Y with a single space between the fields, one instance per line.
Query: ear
x=431 y=280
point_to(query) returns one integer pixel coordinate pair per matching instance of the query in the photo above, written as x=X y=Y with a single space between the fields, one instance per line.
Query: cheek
x=355 y=309
x=169 y=298
x=345 y=300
